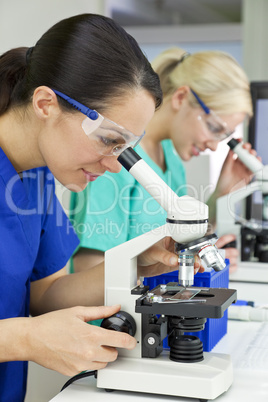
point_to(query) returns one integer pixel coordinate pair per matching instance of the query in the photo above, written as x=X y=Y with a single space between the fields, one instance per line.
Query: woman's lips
x=90 y=176
x=195 y=151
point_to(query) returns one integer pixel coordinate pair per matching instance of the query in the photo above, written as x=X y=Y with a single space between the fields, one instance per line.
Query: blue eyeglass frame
x=93 y=114
x=90 y=113
x=208 y=111
x=201 y=103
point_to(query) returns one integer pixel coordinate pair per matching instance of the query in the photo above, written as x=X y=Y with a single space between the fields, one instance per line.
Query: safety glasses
x=215 y=125
x=107 y=137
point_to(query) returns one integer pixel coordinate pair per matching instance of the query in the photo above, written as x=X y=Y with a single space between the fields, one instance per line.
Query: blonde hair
x=214 y=75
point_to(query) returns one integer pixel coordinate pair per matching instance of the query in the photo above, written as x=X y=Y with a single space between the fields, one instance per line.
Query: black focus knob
x=121 y=321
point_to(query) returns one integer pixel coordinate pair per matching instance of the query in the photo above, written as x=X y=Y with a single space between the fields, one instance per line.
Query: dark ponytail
x=88 y=57
x=12 y=73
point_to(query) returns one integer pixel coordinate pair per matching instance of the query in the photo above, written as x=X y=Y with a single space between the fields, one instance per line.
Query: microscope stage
x=207 y=303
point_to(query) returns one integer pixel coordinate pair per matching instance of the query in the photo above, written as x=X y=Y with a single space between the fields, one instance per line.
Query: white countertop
x=251 y=272
x=250 y=363
x=246 y=342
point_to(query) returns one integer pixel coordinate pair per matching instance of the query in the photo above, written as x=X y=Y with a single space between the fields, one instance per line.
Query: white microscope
x=251 y=235
x=167 y=310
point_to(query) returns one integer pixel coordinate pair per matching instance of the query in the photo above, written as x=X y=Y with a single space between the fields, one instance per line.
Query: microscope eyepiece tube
x=148 y=178
x=249 y=160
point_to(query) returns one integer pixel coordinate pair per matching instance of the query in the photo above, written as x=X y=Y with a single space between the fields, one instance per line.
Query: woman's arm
x=86 y=258
x=60 y=290
x=86 y=288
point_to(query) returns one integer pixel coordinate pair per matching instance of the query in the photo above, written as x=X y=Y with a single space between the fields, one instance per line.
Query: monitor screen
x=258 y=137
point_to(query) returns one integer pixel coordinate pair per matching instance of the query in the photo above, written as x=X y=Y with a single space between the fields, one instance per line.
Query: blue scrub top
x=36 y=240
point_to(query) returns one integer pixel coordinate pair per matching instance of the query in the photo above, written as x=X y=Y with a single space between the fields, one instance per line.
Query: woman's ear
x=45 y=102
x=179 y=97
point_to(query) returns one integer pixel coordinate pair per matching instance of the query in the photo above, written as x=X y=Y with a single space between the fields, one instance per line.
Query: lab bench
x=246 y=342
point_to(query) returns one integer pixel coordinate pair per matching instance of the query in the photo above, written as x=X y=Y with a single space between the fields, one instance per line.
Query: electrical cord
x=78 y=377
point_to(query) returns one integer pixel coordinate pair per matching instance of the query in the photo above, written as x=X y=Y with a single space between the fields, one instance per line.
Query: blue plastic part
x=92 y=114
x=215 y=328
x=201 y=103
x=244 y=303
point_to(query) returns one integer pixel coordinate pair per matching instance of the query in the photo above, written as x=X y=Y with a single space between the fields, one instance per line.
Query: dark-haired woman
x=68 y=107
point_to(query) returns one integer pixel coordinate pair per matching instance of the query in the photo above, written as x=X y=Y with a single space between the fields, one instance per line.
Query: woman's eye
x=118 y=147
x=115 y=142
x=214 y=128
x=107 y=141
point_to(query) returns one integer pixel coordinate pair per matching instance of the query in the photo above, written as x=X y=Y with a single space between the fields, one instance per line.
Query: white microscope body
x=227 y=219
x=186 y=222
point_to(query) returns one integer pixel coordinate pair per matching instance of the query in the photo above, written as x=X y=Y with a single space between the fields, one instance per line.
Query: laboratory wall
x=22 y=22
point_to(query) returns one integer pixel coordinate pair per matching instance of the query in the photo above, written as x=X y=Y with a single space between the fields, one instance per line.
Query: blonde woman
x=205 y=96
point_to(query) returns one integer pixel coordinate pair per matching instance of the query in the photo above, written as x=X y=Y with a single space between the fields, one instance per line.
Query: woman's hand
x=160 y=258
x=234 y=174
x=230 y=252
x=63 y=341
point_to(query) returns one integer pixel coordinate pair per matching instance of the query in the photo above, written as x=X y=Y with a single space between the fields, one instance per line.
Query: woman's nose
x=212 y=145
x=111 y=164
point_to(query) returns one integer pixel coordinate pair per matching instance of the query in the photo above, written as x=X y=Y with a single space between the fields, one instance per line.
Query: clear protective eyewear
x=107 y=137
x=214 y=123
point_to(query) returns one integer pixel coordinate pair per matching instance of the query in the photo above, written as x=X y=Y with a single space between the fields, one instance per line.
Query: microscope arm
x=124 y=258
x=226 y=216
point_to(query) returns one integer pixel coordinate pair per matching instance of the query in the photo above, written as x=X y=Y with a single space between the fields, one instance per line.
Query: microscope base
x=204 y=380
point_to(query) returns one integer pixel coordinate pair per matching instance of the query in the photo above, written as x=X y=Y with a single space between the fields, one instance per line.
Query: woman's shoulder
x=40 y=177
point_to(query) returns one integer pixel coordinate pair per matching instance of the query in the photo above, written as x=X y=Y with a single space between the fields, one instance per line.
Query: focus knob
x=121 y=321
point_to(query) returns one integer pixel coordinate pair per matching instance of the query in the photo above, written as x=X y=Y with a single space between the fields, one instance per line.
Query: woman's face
x=190 y=132
x=69 y=152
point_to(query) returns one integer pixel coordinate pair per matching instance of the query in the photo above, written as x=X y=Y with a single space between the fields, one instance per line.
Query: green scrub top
x=116 y=208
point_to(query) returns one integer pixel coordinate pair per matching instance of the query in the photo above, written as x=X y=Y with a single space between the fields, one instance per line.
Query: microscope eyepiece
x=128 y=158
x=232 y=143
